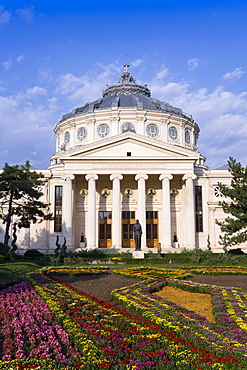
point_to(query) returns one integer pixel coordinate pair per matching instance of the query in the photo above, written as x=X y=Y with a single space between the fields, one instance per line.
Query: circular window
x=152 y=130
x=187 y=136
x=81 y=133
x=66 y=137
x=173 y=133
x=103 y=130
x=128 y=126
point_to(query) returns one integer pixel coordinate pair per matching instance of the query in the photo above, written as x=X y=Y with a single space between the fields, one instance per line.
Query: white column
x=116 y=211
x=57 y=143
x=68 y=199
x=141 y=212
x=91 y=213
x=73 y=133
x=166 y=237
x=211 y=227
x=190 y=211
x=182 y=134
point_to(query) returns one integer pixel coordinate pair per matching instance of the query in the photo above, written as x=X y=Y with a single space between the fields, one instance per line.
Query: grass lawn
x=15 y=271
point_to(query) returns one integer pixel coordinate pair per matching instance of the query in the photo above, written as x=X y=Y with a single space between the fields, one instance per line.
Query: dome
x=126 y=94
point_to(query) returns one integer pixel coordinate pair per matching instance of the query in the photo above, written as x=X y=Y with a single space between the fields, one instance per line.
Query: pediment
x=128 y=145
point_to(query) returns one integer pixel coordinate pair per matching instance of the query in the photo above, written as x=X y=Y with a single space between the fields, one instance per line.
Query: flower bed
x=117 y=339
x=147 y=272
x=219 y=270
x=200 y=303
x=78 y=271
x=92 y=334
x=114 y=329
x=224 y=338
x=29 y=330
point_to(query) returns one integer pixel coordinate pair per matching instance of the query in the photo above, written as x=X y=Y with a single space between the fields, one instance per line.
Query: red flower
x=105 y=364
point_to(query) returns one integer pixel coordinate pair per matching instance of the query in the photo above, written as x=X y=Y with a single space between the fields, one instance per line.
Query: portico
x=109 y=204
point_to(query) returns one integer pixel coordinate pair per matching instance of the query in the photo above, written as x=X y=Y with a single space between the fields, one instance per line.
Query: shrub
x=237 y=251
x=4 y=249
x=53 y=261
x=151 y=254
x=33 y=253
x=91 y=252
x=2 y=259
x=126 y=254
x=71 y=260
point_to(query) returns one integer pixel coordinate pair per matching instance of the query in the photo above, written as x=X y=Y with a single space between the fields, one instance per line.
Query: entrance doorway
x=128 y=221
x=152 y=229
x=105 y=221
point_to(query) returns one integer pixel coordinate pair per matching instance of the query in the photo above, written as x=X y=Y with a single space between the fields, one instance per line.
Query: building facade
x=123 y=157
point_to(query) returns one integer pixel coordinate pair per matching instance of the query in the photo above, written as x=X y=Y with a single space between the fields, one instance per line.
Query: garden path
x=101 y=286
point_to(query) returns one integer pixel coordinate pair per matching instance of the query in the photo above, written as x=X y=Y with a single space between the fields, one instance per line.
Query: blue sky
x=58 y=55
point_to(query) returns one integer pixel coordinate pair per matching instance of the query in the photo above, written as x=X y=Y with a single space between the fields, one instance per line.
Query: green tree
x=19 y=197
x=234 y=226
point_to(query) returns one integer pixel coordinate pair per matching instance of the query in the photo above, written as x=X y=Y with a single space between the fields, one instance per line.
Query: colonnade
x=166 y=237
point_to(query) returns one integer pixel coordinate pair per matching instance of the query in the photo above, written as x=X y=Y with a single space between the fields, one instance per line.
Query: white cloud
x=136 y=63
x=68 y=83
x=27 y=14
x=53 y=104
x=168 y=92
x=7 y=104
x=8 y=64
x=5 y=15
x=234 y=75
x=36 y=90
x=163 y=72
x=45 y=75
x=26 y=128
x=20 y=58
x=193 y=63
x=200 y=102
x=222 y=118
x=88 y=87
x=212 y=104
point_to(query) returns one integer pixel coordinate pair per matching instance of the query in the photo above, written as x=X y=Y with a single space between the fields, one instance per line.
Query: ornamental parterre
x=82 y=332
x=116 y=339
x=236 y=270
x=141 y=339
x=78 y=271
x=227 y=336
x=144 y=272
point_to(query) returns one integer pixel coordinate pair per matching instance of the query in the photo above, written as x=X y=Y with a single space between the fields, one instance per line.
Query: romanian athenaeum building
x=122 y=157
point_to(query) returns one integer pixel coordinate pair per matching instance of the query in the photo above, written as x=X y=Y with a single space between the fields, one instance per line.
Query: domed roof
x=126 y=94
